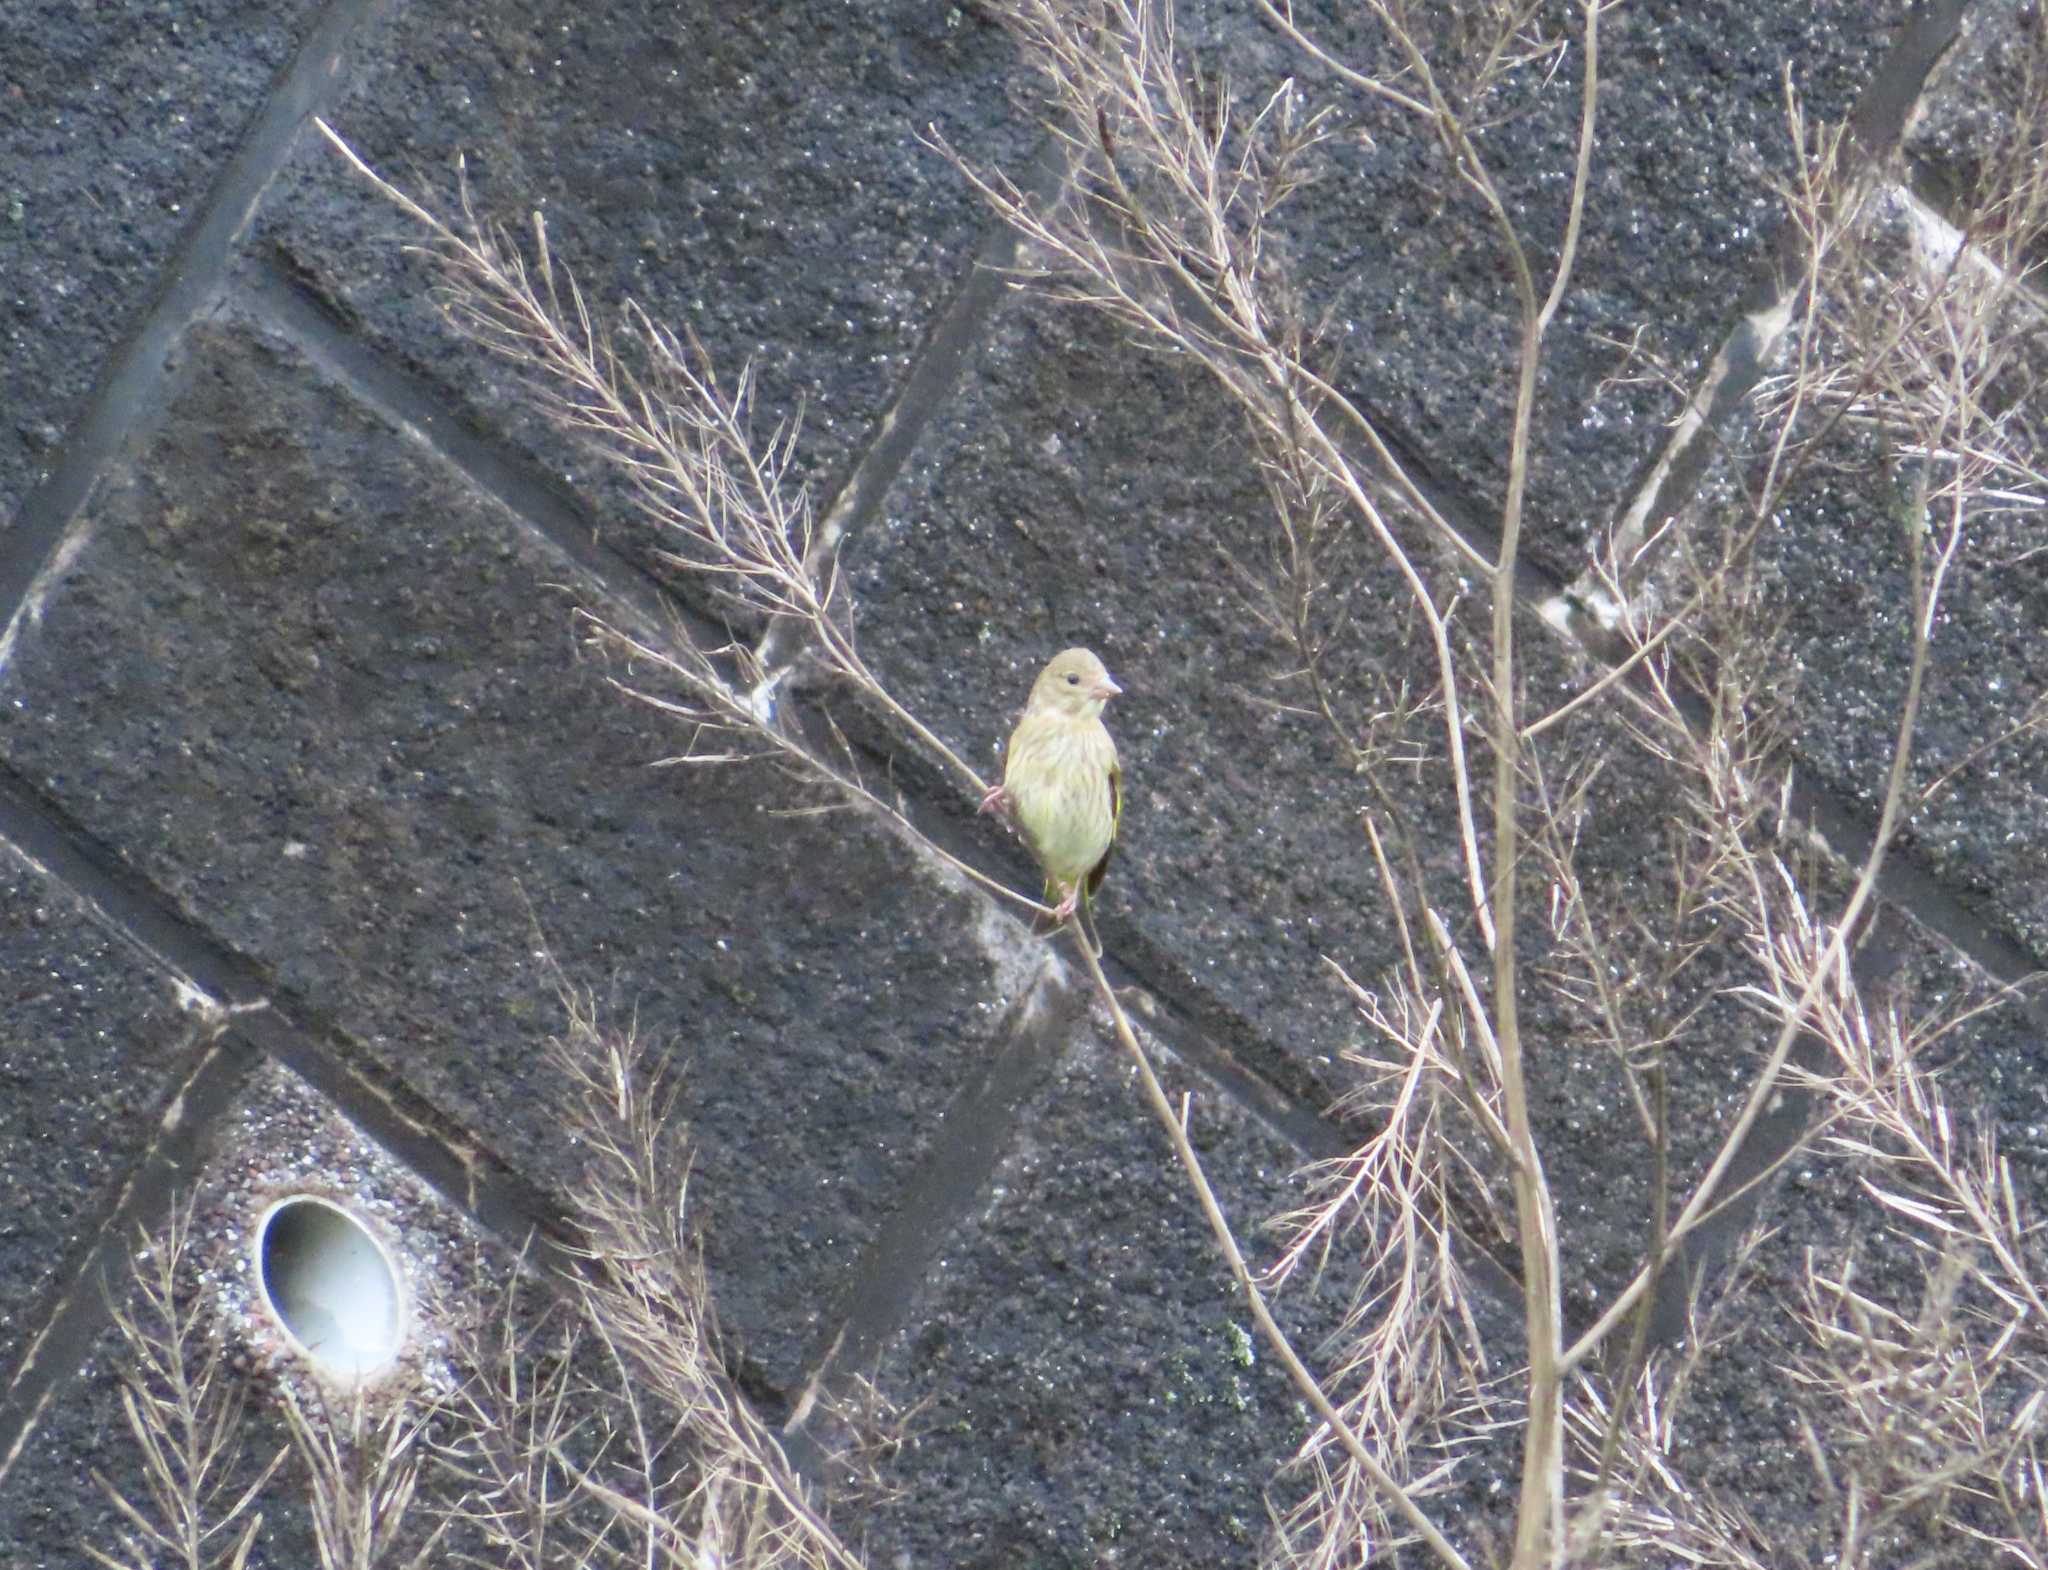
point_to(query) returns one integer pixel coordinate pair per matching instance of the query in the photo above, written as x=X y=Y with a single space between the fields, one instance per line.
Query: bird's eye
x=1073 y=680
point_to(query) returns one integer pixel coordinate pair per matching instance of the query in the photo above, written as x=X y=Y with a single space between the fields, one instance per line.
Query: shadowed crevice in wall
x=1669 y=478
x=132 y=387
x=945 y=1191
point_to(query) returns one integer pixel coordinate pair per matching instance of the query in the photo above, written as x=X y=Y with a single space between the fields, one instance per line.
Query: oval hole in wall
x=331 y=1286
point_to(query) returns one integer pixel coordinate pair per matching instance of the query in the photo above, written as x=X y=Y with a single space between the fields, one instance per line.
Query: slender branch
x=1539 y=1521
x=1826 y=969
x=1304 y=1381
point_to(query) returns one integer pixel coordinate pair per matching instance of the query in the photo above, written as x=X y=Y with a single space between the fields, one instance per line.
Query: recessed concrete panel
x=753 y=176
x=1088 y=1363
x=114 y=121
x=346 y=726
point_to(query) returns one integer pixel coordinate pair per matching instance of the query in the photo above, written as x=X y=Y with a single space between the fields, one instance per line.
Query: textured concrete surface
x=114 y=122
x=92 y=1048
x=281 y=1139
x=293 y=718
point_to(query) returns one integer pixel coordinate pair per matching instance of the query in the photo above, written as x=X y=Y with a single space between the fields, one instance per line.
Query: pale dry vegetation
x=582 y=1416
x=1188 y=218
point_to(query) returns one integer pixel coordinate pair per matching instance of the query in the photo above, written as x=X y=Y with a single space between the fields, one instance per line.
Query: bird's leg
x=1064 y=910
x=996 y=799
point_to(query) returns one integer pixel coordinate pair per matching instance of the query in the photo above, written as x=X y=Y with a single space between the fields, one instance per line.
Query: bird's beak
x=1105 y=690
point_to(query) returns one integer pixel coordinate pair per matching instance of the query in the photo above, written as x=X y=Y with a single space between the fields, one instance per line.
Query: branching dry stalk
x=1407 y=1354
x=597 y=1426
x=364 y=1470
x=1640 y=1499
x=1923 y=344
x=1766 y=876
x=1929 y=1413
x=718 y=496
x=1402 y=1501
x=1164 y=226
x=184 y=1411
x=689 y=1475
x=1177 y=224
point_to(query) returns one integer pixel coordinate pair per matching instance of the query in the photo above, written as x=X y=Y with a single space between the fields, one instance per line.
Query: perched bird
x=1061 y=782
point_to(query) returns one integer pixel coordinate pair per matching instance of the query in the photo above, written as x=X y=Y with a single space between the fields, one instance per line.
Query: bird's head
x=1075 y=683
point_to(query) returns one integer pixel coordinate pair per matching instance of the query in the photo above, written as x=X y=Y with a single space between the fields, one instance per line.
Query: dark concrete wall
x=293 y=720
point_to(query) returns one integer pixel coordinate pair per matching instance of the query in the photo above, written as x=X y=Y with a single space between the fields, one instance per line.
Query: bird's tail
x=1042 y=924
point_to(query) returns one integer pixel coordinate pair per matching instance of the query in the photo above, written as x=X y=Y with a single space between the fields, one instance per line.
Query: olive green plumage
x=1062 y=785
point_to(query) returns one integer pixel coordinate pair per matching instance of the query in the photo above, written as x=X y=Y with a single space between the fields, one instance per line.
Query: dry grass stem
x=364 y=1471
x=1902 y=344
x=720 y=497
x=603 y=1431
x=184 y=1411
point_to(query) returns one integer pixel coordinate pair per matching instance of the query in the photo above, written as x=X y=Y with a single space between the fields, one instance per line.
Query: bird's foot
x=996 y=799
x=1064 y=911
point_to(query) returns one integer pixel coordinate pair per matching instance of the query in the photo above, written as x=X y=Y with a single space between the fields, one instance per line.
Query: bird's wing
x=1116 y=817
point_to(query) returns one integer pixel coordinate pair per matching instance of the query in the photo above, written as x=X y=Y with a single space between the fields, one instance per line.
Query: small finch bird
x=1061 y=782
